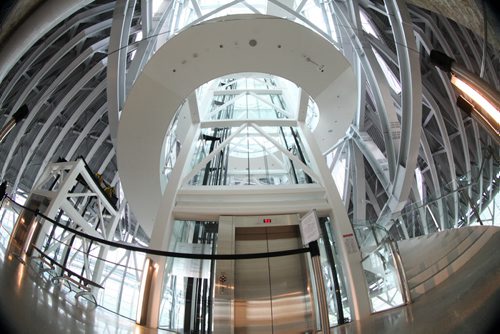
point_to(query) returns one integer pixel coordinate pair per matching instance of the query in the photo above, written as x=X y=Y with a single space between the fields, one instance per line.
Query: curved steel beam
x=436 y=187
x=458 y=44
x=53 y=61
x=45 y=18
x=443 y=43
x=69 y=124
x=437 y=114
x=56 y=112
x=423 y=141
x=97 y=145
x=378 y=85
x=147 y=44
x=359 y=184
x=86 y=130
x=106 y=161
x=117 y=61
x=47 y=43
x=376 y=158
x=46 y=95
x=411 y=104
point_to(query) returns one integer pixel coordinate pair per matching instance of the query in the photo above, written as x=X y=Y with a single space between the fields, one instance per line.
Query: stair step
x=436 y=248
x=467 y=252
x=442 y=262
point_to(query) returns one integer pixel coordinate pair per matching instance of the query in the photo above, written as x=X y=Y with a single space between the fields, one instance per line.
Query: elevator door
x=271 y=295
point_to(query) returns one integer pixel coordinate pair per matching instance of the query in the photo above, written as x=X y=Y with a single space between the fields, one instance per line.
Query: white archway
x=232 y=44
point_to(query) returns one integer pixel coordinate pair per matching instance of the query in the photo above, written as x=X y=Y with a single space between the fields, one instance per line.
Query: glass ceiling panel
x=248 y=96
x=253 y=96
x=315 y=15
x=391 y=78
x=249 y=6
x=367 y=25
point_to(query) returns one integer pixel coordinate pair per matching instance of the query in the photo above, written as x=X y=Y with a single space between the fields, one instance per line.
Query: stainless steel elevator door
x=271 y=295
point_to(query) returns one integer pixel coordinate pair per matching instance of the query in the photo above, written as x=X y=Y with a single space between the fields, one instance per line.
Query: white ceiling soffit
x=210 y=202
x=232 y=44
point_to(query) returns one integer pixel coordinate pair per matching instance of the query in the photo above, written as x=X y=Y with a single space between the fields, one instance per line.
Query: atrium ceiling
x=408 y=143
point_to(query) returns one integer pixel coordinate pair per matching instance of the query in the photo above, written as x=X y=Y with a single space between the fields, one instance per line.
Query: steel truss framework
x=408 y=144
x=71 y=196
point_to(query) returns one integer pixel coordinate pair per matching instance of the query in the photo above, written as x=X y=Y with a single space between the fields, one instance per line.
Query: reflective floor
x=29 y=303
x=468 y=302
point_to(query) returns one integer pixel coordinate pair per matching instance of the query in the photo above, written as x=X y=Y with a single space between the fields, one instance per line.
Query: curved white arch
x=210 y=50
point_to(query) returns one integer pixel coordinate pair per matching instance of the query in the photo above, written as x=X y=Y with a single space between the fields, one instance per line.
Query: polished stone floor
x=29 y=303
x=468 y=302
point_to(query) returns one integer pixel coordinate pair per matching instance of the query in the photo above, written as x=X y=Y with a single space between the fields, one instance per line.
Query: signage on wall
x=309 y=227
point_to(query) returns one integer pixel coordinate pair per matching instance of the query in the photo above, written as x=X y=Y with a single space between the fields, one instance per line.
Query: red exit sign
x=267 y=220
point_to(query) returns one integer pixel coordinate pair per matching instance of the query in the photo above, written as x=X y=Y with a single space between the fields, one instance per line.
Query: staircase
x=429 y=260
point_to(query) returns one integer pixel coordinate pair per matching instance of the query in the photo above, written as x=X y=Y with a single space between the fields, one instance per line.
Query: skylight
x=391 y=78
x=367 y=25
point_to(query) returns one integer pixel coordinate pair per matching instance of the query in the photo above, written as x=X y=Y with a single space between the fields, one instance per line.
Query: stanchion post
x=144 y=294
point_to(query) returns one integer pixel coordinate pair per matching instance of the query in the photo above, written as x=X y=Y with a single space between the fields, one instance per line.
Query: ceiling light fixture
x=20 y=114
x=484 y=101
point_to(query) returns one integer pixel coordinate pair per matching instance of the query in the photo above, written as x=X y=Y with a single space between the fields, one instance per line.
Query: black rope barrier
x=165 y=253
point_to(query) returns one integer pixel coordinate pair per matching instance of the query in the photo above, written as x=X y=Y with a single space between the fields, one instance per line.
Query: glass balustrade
x=384 y=274
x=466 y=204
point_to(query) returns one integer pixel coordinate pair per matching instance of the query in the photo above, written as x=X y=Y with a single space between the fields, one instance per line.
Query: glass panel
x=83 y=259
x=382 y=279
x=315 y=15
x=385 y=286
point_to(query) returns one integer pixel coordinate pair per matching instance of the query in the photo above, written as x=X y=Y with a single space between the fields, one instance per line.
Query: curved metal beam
x=61 y=105
x=69 y=124
x=53 y=61
x=46 y=95
x=427 y=154
x=86 y=130
x=117 y=61
x=379 y=86
x=97 y=145
x=147 y=44
x=411 y=103
x=359 y=184
x=48 y=42
x=45 y=18
x=106 y=161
